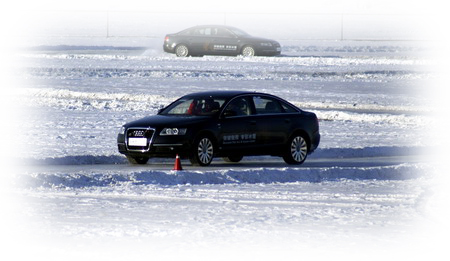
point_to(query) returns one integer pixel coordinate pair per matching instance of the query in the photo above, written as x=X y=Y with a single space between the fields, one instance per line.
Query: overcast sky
x=279 y=6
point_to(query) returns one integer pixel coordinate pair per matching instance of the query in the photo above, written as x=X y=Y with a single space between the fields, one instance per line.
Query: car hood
x=166 y=121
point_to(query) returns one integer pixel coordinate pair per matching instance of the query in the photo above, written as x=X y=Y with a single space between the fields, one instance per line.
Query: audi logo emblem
x=138 y=133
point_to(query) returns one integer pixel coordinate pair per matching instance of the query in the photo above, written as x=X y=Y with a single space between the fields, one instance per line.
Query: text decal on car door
x=225 y=47
x=239 y=138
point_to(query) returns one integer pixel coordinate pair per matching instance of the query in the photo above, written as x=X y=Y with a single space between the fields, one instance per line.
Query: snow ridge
x=382 y=151
x=226 y=176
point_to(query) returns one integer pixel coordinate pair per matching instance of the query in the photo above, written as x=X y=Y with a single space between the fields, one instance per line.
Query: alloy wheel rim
x=299 y=149
x=248 y=51
x=182 y=51
x=205 y=150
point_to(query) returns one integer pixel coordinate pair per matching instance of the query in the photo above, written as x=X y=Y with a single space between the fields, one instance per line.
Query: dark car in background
x=228 y=124
x=218 y=40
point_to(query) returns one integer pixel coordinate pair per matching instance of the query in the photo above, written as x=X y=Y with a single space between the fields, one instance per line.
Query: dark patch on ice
x=76 y=73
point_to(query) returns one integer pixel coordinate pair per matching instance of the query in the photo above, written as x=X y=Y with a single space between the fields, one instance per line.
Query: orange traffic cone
x=177 y=165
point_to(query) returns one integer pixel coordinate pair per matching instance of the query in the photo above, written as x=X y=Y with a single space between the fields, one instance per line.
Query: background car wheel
x=297 y=150
x=248 y=51
x=137 y=160
x=182 y=50
x=203 y=151
x=234 y=158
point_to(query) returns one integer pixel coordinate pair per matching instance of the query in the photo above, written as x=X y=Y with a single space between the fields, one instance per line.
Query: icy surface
x=78 y=193
x=362 y=101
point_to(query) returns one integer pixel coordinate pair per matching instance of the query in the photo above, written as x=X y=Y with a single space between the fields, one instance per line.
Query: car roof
x=231 y=94
x=211 y=25
x=227 y=94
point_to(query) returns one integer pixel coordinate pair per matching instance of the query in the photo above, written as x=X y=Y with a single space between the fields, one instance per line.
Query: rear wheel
x=296 y=150
x=233 y=158
x=203 y=151
x=182 y=50
x=137 y=160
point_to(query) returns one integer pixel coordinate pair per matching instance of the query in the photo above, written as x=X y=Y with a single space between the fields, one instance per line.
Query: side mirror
x=161 y=108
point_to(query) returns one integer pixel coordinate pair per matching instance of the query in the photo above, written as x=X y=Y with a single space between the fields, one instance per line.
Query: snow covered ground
x=373 y=114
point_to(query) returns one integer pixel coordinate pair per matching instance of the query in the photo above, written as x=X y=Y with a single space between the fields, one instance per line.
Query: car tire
x=137 y=160
x=202 y=151
x=234 y=158
x=248 y=51
x=182 y=50
x=296 y=150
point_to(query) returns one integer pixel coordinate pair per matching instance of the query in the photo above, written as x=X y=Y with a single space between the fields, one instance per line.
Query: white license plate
x=137 y=141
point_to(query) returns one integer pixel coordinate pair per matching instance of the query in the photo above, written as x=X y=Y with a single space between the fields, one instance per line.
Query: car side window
x=221 y=32
x=238 y=107
x=204 y=31
x=266 y=105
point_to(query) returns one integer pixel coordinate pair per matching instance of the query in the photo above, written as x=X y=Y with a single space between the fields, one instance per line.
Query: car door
x=200 y=40
x=272 y=122
x=224 y=42
x=237 y=128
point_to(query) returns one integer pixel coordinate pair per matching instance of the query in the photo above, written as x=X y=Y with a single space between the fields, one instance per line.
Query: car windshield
x=195 y=106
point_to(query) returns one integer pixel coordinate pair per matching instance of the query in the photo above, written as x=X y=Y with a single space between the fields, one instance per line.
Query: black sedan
x=218 y=40
x=228 y=124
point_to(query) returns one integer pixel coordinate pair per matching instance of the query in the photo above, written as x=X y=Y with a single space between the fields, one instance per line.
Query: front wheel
x=248 y=51
x=296 y=150
x=203 y=151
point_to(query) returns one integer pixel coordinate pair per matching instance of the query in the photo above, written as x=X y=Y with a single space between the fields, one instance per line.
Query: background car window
x=238 y=107
x=205 y=31
x=221 y=32
x=265 y=105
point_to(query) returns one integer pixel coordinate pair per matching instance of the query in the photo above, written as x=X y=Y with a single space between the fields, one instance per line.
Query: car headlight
x=266 y=44
x=173 y=131
x=122 y=130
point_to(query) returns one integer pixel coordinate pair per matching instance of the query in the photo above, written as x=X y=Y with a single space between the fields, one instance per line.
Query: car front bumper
x=266 y=51
x=158 y=146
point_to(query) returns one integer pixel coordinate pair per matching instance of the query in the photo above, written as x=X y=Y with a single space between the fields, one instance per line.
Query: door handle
x=252 y=122
x=287 y=120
